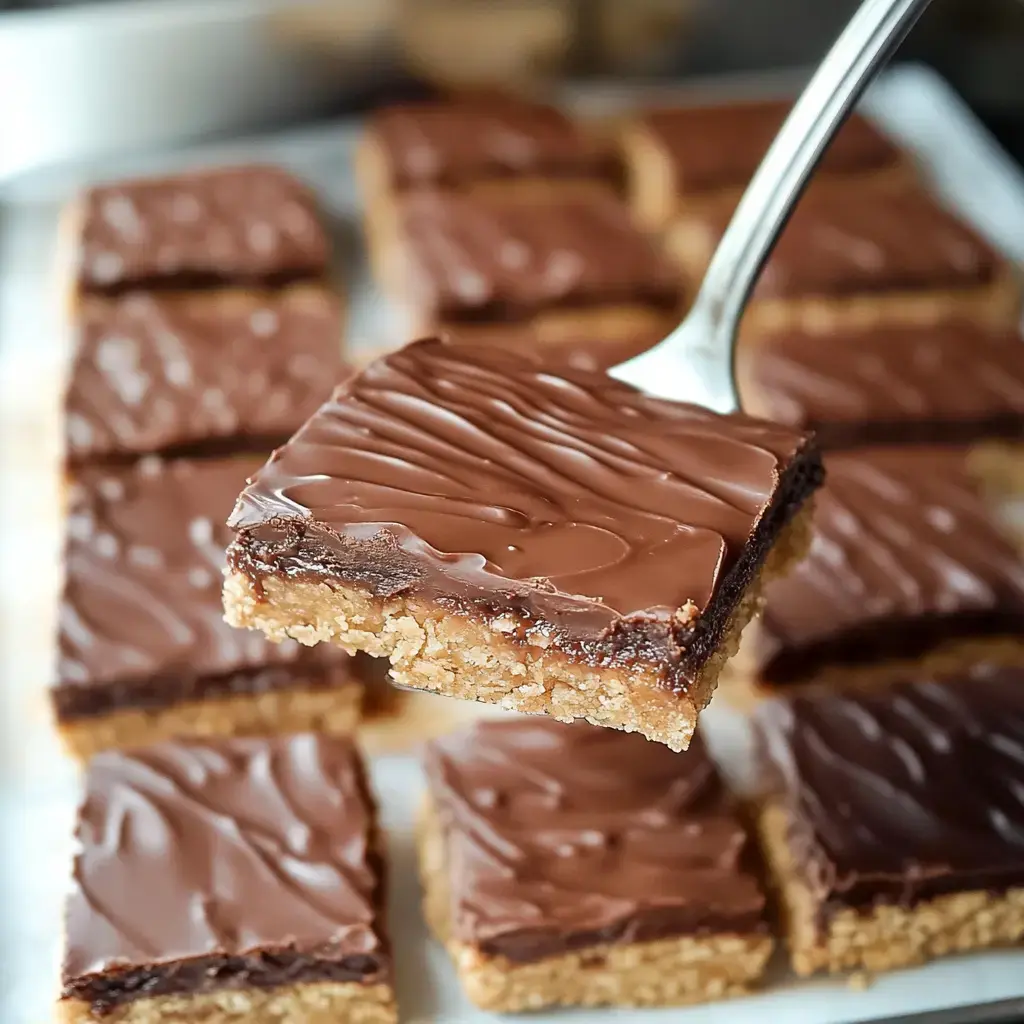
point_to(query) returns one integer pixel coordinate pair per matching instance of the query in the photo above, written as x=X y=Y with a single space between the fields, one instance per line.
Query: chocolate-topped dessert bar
x=251 y=226
x=680 y=157
x=958 y=381
x=568 y=865
x=479 y=143
x=509 y=530
x=198 y=371
x=144 y=652
x=893 y=823
x=484 y=270
x=859 y=255
x=908 y=566
x=238 y=881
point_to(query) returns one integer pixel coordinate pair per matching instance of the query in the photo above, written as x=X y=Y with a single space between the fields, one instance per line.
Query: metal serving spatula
x=695 y=363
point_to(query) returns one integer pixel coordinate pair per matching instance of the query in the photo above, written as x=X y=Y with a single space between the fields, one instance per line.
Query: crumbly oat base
x=997 y=303
x=665 y=972
x=313 y=1003
x=742 y=688
x=999 y=465
x=334 y=711
x=885 y=937
x=464 y=657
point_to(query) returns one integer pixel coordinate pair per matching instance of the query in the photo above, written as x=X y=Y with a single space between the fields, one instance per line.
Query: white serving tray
x=38 y=786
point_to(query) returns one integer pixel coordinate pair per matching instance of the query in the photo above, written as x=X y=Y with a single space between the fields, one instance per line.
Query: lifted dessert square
x=568 y=865
x=230 y=882
x=509 y=530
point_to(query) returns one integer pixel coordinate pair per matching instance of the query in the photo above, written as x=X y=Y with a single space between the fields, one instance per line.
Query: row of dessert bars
x=242 y=879
x=205 y=330
x=884 y=321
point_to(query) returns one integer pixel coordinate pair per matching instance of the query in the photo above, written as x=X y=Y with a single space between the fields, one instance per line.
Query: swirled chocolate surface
x=562 y=836
x=945 y=382
x=483 y=258
x=509 y=486
x=905 y=794
x=156 y=372
x=854 y=240
x=720 y=147
x=227 y=226
x=454 y=142
x=238 y=864
x=141 y=620
x=906 y=555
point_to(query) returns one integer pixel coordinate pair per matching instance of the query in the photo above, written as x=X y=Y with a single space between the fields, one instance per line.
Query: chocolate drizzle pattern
x=956 y=381
x=848 y=241
x=236 y=225
x=905 y=554
x=720 y=147
x=141 y=608
x=250 y=862
x=483 y=258
x=455 y=142
x=563 y=836
x=903 y=795
x=515 y=485
x=157 y=372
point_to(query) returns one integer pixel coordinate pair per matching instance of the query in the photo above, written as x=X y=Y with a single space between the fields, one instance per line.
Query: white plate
x=38 y=786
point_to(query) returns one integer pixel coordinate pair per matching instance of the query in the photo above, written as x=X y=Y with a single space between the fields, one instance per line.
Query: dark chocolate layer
x=161 y=372
x=458 y=142
x=480 y=258
x=906 y=555
x=860 y=239
x=902 y=795
x=720 y=147
x=946 y=382
x=575 y=509
x=141 y=620
x=560 y=837
x=226 y=226
x=238 y=864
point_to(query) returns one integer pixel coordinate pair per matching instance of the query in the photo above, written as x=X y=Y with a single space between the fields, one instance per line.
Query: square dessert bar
x=198 y=371
x=144 y=652
x=568 y=865
x=509 y=530
x=483 y=269
x=239 y=880
x=958 y=381
x=479 y=143
x=857 y=255
x=893 y=823
x=908 y=566
x=679 y=157
x=249 y=226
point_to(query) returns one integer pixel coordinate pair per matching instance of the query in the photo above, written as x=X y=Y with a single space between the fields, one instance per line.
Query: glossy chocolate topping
x=141 y=619
x=239 y=864
x=953 y=381
x=565 y=836
x=482 y=258
x=859 y=239
x=237 y=225
x=455 y=142
x=720 y=147
x=514 y=486
x=159 y=372
x=906 y=555
x=904 y=794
